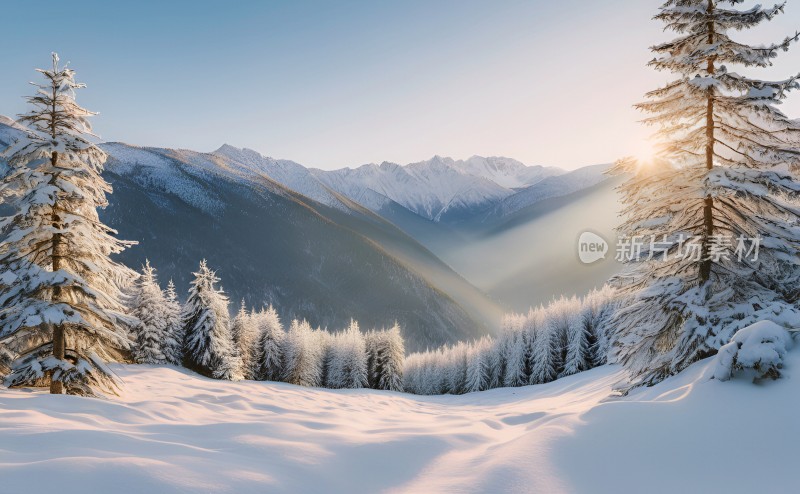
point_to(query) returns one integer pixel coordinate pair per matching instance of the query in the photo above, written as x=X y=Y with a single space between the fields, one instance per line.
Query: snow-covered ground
x=173 y=431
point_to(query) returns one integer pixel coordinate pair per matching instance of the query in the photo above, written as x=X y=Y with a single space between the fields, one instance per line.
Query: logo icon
x=591 y=247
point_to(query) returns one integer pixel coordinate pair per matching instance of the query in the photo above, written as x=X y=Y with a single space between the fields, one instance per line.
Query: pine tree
x=599 y=307
x=495 y=363
x=727 y=173
x=347 y=365
x=245 y=335
x=173 y=330
x=208 y=345
x=269 y=345
x=515 y=350
x=150 y=310
x=478 y=366
x=303 y=354
x=60 y=300
x=456 y=361
x=580 y=340
x=390 y=360
x=549 y=344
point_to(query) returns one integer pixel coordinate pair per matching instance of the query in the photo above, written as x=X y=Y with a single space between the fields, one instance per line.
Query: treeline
x=201 y=336
x=566 y=337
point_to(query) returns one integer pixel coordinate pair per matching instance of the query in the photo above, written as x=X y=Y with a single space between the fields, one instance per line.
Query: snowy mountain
x=270 y=244
x=552 y=186
x=287 y=173
x=439 y=189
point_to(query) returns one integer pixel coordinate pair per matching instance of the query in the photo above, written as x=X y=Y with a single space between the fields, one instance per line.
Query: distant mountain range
x=366 y=243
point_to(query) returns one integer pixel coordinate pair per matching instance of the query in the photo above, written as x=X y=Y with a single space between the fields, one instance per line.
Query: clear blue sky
x=342 y=83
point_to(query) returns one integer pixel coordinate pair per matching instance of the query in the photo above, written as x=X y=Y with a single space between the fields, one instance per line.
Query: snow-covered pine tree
x=269 y=345
x=390 y=360
x=149 y=308
x=245 y=335
x=208 y=345
x=515 y=351
x=549 y=345
x=60 y=298
x=478 y=365
x=727 y=173
x=598 y=310
x=580 y=339
x=495 y=363
x=456 y=363
x=173 y=329
x=347 y=365
x=303 y=355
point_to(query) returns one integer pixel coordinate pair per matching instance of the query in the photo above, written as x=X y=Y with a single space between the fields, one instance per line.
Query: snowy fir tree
x=268 y=352
x=245 y=334
x=515 y=348
x=173 y=327
x=150 y=308
x=347 y=363
x=385 y=358
x=580 y=340
x=60 y=293
x=479 y=362
x=599 y=307
x=209 y=348
x=303 y=355
x=548 y=344
x=718 y=211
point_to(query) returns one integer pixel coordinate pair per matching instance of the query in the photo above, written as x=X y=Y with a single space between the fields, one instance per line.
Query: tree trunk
x=59 y=338
x=708 y=207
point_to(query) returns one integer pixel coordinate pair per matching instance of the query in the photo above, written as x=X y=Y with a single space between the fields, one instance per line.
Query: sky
x=335 y=84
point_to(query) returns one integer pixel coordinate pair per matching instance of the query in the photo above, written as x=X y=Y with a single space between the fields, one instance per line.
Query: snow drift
x=173 y=431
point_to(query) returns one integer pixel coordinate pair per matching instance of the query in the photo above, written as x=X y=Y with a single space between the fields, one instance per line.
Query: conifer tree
x=245 y=335
x=726 y=182
x=549 y=344
x=387 y=364
x=60 y=293
x=269 y=345
x=303 y=354
x=347 y=365
x=173 y=330
x=150 y=308
x=479 y=373
x=598 y=310
x=515 y=350
x=208 y=345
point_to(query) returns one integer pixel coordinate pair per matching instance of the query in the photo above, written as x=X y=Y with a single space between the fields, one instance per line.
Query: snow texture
x=172 y=431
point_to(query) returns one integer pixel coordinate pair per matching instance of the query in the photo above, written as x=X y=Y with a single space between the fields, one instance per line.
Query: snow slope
x=175 y=432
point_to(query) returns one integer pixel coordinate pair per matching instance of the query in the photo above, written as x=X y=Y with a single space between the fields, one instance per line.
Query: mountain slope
x=270 y=245
x=273 y=245
x=553 y=186
x=531 y=256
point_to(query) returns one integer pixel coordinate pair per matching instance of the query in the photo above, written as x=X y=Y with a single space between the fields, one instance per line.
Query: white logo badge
x=591 y=247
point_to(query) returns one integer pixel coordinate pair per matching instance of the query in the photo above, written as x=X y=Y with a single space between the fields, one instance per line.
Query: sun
x=645 y=155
